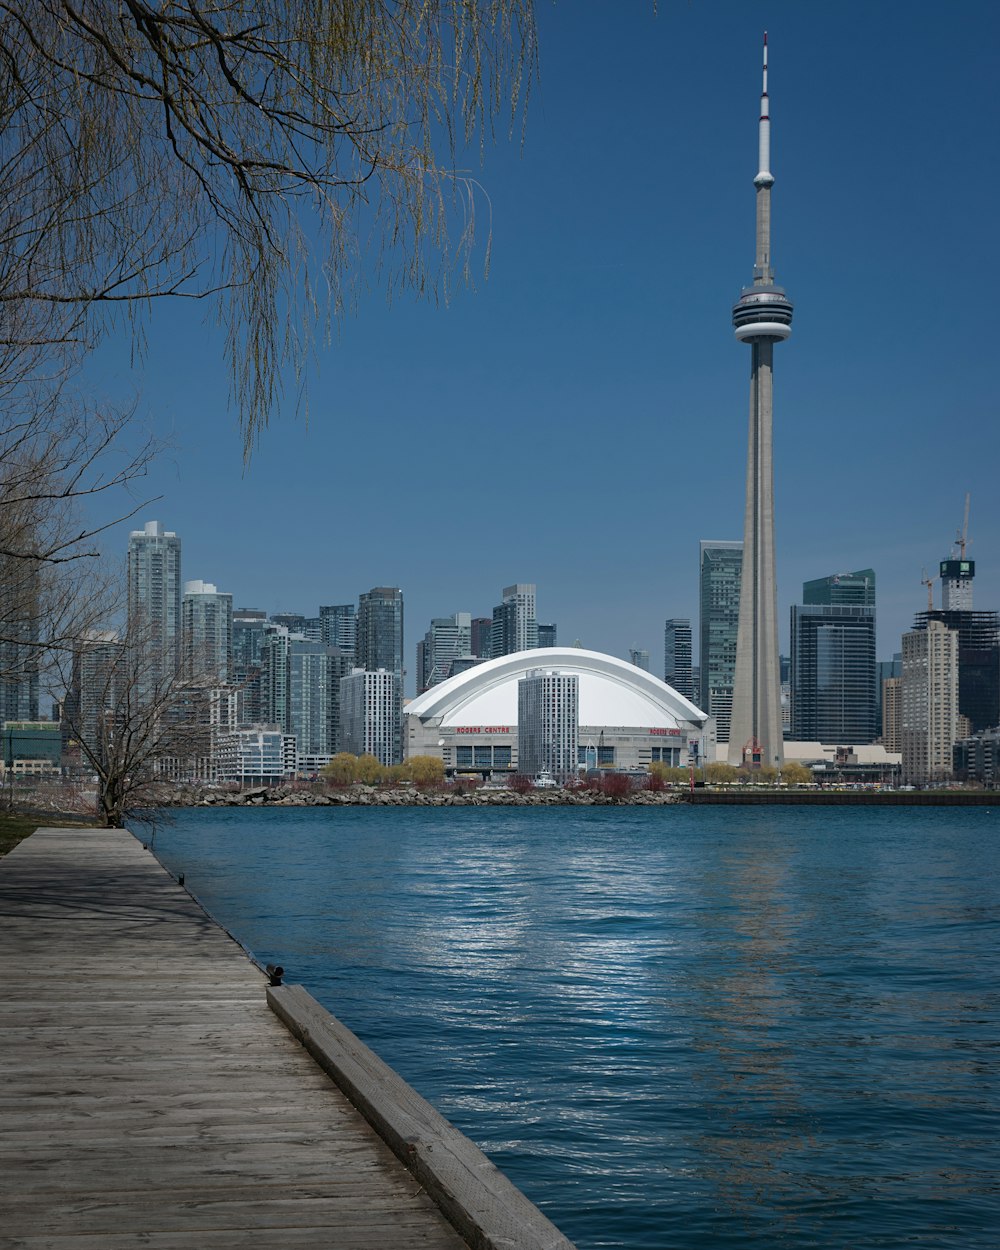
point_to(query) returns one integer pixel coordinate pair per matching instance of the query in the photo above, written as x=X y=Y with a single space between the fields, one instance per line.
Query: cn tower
x=762 y=316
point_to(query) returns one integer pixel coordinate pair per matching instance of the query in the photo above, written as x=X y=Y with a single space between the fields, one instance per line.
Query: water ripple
x=671 y=1028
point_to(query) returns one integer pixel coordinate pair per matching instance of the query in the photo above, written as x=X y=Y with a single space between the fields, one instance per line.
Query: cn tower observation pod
x=627 y=717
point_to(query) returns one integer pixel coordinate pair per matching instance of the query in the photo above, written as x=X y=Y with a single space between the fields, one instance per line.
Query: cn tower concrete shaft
x=756 y=715
x=761 y=317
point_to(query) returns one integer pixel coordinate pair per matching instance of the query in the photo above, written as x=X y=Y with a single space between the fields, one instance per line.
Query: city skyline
x=593 y=374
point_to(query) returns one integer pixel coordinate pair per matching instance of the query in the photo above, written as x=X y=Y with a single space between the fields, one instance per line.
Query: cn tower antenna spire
x=762 y=272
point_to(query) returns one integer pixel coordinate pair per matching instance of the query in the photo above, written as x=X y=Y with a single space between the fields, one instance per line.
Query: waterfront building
x=154 y=606
x=720 y=579
x=761 y=317
x=627 y=718
x=369 y=720
x=978 y=661
x=677 y=669
x=639 y=658
x=515 y=623
x=309 y=689
x=930 y=717
x=32 y=748
x=207 y=620
x=833 y=670
x=252 y=755
x=892 y=712
x=977 y=758
x=548 y=713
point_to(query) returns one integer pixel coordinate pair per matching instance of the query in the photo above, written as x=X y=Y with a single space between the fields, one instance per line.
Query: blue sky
x=579 y=419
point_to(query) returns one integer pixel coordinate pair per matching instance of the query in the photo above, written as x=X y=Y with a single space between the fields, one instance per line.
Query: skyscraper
x=449 y=638
x=720 y=577
x=515 y=624
x=761 y=317
x=677 y=657
x=929 y=719
x=834 y=676
x=380 y=646
x=548 y=716
x=842 y=589
x=154 y=603
x=207 y=616
x=339 y=625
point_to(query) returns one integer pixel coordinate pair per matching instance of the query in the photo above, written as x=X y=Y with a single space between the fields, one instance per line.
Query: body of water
x=753 y=1027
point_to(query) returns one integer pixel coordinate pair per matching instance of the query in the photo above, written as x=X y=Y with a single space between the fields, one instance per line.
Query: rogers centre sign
x=482 y=729
x=666 y=733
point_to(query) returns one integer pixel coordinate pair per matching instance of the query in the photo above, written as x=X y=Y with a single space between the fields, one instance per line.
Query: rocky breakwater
x=376 y=796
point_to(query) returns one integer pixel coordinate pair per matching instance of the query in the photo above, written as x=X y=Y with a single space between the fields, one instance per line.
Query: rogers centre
x=628 y=718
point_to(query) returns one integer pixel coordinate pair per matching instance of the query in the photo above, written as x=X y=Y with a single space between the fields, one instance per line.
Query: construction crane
x=962 y=537
x=929 y=583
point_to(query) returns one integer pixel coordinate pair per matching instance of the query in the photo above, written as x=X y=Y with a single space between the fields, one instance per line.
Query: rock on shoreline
x=372 y=796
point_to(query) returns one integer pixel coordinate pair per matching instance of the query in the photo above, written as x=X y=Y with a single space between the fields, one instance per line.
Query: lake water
x=753 y=1027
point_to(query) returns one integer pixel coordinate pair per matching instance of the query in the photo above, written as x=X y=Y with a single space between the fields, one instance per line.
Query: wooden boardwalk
x=149 y=1097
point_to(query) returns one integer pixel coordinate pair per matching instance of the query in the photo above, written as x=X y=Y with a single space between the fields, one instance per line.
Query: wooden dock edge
x=486 y=1209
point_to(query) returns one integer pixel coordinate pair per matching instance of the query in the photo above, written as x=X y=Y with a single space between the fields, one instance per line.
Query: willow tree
x=267 y=155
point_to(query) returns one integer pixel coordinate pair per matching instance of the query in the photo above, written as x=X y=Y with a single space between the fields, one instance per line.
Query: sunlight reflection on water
x=763 y=1027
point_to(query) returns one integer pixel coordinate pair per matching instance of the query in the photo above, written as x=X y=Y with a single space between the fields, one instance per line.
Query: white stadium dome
x=612 y=693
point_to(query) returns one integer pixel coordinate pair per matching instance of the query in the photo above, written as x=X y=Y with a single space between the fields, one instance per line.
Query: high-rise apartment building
x=548 y=635
x=930 y=717
x=482 y=630
x=339 y=625
x=978 y=662
x=380 y=630
x=515 y=624
x=833 y=673
x=448 y=639
x=892 y=712
x=20 y=611
x=154 y=605
x=380 y=646
x=677 y=668
x=721 y=569
x=91 y=706
x=248 y=635
x=207 y=631
x=369 y=718
x=639 y=657
x=548 y=721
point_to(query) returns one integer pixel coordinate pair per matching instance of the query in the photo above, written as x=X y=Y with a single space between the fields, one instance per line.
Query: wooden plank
x=149 y=1097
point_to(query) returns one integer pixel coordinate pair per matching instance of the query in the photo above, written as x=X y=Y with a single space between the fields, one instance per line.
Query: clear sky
x=579 y=420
